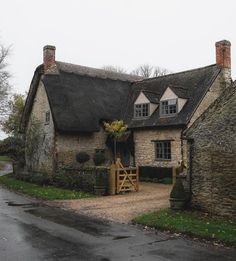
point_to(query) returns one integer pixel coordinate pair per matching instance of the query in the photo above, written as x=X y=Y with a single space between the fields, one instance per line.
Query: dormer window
x=141 y=110
x=168 y=107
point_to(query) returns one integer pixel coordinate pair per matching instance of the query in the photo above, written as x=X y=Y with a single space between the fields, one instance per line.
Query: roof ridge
x=110 y=74
x=182 y=72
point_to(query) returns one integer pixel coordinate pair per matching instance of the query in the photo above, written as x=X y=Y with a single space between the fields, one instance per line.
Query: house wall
x=68 y=145
x=145 y=147
x=39 y=135
x=213 y=159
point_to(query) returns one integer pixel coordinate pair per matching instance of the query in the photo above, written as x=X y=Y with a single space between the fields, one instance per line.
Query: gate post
x=137 y=177
x=117 y=176
x=112 y=180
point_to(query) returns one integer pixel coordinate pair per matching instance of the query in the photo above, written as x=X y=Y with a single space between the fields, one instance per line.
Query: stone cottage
x=212 y=156
x=67 y=105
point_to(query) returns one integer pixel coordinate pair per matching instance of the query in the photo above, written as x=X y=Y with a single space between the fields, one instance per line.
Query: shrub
x=85 y=179
x=82 y=157
x=99 y=158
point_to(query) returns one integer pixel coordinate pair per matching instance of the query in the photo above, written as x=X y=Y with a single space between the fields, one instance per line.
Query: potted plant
x=178 y=196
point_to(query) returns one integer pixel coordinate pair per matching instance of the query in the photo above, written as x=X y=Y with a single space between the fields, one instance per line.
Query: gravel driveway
x=121 y=208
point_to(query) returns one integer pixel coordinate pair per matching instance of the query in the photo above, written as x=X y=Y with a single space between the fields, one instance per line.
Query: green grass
x=43 y=192
x=5 y=158
x=191 y=223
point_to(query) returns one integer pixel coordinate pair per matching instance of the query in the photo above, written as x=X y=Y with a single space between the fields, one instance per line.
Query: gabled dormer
x=145 y=105
x=170 y=103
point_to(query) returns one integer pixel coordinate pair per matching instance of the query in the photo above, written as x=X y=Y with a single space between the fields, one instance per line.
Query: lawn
x=191 y=223
x=5 y=158
x=42 y=192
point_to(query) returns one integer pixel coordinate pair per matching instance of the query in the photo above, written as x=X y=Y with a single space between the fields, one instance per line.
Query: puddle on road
x=25 y=205
x=120 y=237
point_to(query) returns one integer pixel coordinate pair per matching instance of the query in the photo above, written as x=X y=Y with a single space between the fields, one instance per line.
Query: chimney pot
x=48 y=57
x=223 y=56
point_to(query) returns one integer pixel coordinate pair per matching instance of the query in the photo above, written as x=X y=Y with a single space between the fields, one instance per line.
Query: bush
x=98 y=158
x=85 y=179
x=33 y=177
x=82 y=157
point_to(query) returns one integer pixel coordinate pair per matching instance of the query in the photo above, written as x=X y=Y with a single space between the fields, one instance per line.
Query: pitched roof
x=191 y=85
x=222 y=109
x=81 y=97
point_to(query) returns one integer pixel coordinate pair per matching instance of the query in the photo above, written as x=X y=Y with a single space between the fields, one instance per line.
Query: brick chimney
x=223 y=57
x=49 y=58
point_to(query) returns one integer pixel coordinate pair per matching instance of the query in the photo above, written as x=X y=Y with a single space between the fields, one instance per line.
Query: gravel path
x=121 y=208
x=5 y=167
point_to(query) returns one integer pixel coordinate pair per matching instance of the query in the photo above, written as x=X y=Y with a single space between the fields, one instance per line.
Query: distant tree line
x=145 y=70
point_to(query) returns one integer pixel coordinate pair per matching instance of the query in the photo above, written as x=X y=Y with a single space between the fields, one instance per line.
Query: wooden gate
x=127 y=179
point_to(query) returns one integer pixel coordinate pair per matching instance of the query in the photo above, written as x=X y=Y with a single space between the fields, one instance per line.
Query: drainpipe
x=191 y=146
x=190 y=143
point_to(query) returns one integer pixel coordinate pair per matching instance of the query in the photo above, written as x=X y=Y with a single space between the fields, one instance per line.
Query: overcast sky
x=175 y=34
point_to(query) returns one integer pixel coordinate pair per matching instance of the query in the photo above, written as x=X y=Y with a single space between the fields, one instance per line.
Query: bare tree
x=113 y=68
x=159 y=71
x=4 y=80
x=144 y=70
x=147 y=71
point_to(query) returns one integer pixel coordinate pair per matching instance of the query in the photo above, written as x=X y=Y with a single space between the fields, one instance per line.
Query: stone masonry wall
x=69 y=145
x=40 y=135
x=214 y=157
x=145 y=146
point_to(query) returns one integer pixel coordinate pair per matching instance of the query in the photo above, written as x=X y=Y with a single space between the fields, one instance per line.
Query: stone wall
x=40 y=135
x=145 y=146
x=213 y=159
x=68 y=145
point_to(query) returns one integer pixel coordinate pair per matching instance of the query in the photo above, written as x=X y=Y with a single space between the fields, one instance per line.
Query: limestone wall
x=145 y=154
x=40 y=135
x=214 y=157
x=68 y=145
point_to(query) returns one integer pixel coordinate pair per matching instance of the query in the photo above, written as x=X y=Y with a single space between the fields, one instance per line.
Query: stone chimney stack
x=49 y=58
x=223 y=57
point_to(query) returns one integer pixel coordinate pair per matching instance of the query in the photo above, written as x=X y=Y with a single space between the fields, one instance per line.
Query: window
x=168 y=107
x=47 y=117
x=141 y=110
x=163 y=150
x=100 y=151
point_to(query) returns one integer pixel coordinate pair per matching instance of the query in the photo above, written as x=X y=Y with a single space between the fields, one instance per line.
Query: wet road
x=30 y=231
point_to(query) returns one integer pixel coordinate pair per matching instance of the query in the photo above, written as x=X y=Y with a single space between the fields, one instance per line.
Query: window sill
x=141 y=118
x=163 y=160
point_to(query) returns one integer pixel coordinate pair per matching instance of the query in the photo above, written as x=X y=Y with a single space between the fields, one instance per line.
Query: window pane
x=163 y=150
x=141 y=110
x=169 y=107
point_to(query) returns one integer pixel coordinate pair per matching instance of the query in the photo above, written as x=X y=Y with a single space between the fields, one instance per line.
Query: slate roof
x=191 y=85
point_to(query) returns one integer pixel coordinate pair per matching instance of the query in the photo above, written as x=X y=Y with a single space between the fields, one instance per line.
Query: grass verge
x=191 y=223
x=42 y=192
x=5 y=158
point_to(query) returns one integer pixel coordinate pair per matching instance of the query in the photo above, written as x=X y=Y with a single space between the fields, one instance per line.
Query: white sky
x=175 y=34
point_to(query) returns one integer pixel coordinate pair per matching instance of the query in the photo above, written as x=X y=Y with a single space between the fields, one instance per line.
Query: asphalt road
x=31 y=231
